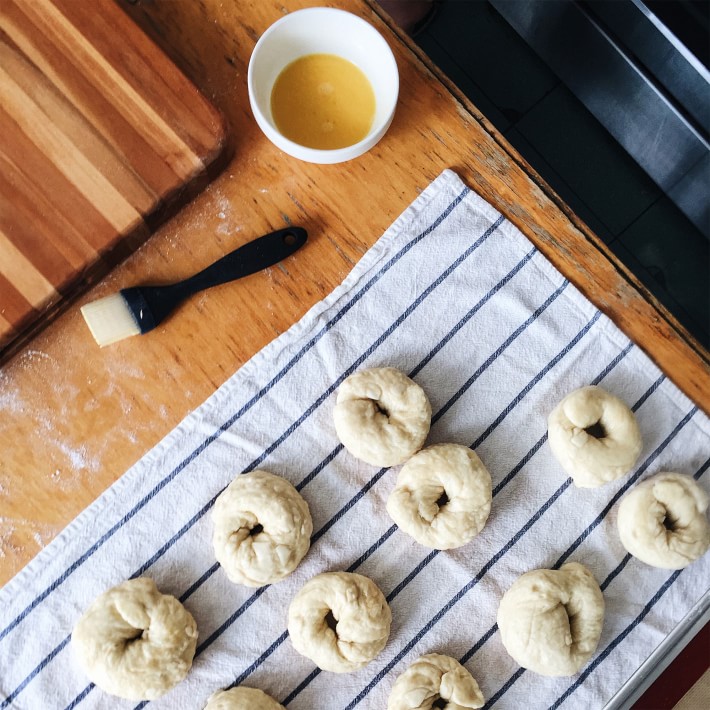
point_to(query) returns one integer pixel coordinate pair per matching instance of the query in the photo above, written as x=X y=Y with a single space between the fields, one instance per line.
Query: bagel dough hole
x=442 y=500
x=140 y=634
x=331 y=622
x=440 y=703
x=381 y=409
x=573 y=622
x=597 y=430
x=668 y=523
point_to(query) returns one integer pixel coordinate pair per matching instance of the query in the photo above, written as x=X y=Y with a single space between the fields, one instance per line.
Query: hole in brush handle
x=289 y=239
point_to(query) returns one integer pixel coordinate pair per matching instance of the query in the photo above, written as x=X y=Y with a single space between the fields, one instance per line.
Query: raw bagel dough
x=452 y=474
x=671 y=499
x=361 y=615
x=433 y=677
x=550 y=620
x=242 y=699
x=135 y=642
x=589 y=460
x=272 y=507
x=382 y=416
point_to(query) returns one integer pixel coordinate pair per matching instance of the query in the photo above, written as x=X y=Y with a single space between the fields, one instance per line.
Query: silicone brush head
x=110 y=319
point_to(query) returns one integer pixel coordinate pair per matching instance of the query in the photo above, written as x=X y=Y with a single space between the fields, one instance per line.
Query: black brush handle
x=151 y=304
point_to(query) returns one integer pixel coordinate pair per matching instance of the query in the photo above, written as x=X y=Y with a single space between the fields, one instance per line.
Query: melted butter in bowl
x=323 y=101
x=323 y=85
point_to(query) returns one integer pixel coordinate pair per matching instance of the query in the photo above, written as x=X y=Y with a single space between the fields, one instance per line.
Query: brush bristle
x=110 y=319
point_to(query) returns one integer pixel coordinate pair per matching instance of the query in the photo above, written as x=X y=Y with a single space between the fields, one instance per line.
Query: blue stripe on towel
x=42 y=665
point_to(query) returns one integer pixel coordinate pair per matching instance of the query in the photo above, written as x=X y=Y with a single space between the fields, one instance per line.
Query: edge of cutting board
x=214 y=155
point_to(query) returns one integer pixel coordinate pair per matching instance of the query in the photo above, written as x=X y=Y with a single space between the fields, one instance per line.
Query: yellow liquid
x=323 y=101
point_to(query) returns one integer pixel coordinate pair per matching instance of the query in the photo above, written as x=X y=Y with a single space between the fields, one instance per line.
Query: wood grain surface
x=73 y=418
x=99 y=133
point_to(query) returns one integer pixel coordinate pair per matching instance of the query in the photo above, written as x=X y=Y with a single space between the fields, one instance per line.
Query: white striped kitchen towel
x=455 y=296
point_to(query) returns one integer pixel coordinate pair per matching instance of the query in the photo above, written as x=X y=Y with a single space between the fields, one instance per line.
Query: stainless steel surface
x=664 y=57
x=647 y=90
x=662 y=657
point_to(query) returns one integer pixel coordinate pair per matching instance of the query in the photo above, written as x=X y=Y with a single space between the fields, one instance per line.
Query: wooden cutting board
x=100 y=138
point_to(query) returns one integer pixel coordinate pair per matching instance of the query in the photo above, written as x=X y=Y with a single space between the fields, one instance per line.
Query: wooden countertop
x=73 y=418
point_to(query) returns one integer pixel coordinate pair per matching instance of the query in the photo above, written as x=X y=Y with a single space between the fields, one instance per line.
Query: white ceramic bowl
x=328 y=31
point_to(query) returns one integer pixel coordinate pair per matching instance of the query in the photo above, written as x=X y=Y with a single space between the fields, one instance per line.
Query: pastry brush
x=137 y=310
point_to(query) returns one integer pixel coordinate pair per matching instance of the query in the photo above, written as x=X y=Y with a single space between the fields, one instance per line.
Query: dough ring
x=262 y=529
x=382 y=416
x=550 y=620
x=135 y=642
x=340 y=620
x=662 y=521
x=594 y=436
x=242 y=699
x=442 y=497
x=434 y=678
